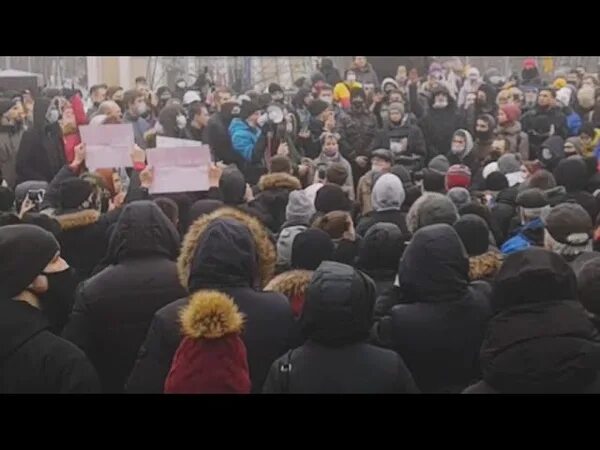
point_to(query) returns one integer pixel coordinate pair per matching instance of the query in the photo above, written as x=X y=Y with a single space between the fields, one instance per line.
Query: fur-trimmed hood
x=485 y=267
x=290 y=283
x=79 y=219
x=279 y=180
x=210 y=315
x=263 y=247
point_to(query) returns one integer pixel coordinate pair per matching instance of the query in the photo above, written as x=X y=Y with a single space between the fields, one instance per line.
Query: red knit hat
x=458 y=175
x=211 y=358
x=512 y=112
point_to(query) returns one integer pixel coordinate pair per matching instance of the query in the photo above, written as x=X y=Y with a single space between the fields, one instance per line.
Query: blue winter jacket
x=522 y=239
x=243 y=138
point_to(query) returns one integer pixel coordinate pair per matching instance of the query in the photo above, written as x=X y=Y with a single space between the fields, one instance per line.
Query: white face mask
x=457 y=149
x=289 y=127
x=262 y=120
x=351 y=78
x=440 y=103
x=181 y=85
x=327 y=99
x=181 y=121
x=376 y=168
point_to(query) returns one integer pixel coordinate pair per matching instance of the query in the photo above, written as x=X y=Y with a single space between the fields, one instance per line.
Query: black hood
x=490 y=93
x=225 y=256
x=541 y=348
x=40 y=108
x=298 y=100
x=533 y=275
x=19 y=321
x=202 y=207
x=232 y=186
x=556 y=146
x=143 y=230
x=338 y=305
x=572 y=174
x=381 y=247
x=435 y=265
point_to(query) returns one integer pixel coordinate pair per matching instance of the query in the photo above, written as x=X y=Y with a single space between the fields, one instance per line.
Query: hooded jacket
x=243 y=138
x=540 y=339
x=439 y=320
x=336 y=358
x=228 y=251
x=292 y=284
x=467 y=157
x=114 y=308
x=35 y=361
x=272 y=199
x=387 y=198
x=439 y=125
x=41 y=150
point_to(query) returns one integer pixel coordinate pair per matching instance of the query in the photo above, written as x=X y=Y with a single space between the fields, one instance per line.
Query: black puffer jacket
x=438 y=321
x=540 y=340
x=231 y=252
x=217 y=137
x=409 y=136
x=358 y=130
x=35 y=361
x=439 y=125
x=114 y=308
x=336 y=358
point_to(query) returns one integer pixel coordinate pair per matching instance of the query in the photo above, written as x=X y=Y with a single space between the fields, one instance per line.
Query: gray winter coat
x=348 y=186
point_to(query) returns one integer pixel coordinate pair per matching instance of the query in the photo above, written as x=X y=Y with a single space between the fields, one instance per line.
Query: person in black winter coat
x=540 y=340
x=114 y=308
x=435 y=319
x=217 y=135
x=399 y=136
x=41 y=151
x=485 y=103
x=32 y=358
x=440 y=122
x=231 y=252
x=331 y=74
x=379 y=253
x=572 y=174
x=335 y=359
x=543 y=108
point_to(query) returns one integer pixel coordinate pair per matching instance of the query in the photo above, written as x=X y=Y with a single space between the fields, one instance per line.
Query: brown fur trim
x=264 y=247
x=291 y=283
x=485 y=266
x=279 y=180
x=78 y=219
x=210 y=314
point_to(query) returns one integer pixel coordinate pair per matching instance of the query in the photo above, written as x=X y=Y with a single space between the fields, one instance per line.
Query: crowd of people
x=435 y=233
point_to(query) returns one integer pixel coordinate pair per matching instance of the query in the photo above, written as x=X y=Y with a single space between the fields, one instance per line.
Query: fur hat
x=211 y=358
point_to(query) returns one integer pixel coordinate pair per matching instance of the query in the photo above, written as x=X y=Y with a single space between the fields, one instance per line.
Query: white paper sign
x=179 y=169
x=167 y=142
x=107 y=146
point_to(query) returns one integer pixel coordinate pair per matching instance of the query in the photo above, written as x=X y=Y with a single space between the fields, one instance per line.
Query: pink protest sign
x=179 y=169
x=107 y=146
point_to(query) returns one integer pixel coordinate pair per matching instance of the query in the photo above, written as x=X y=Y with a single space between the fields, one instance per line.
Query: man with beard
x=485 y=103
x=545 y=109
x=440 y=122
x=358 y=129
x=11 y=132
